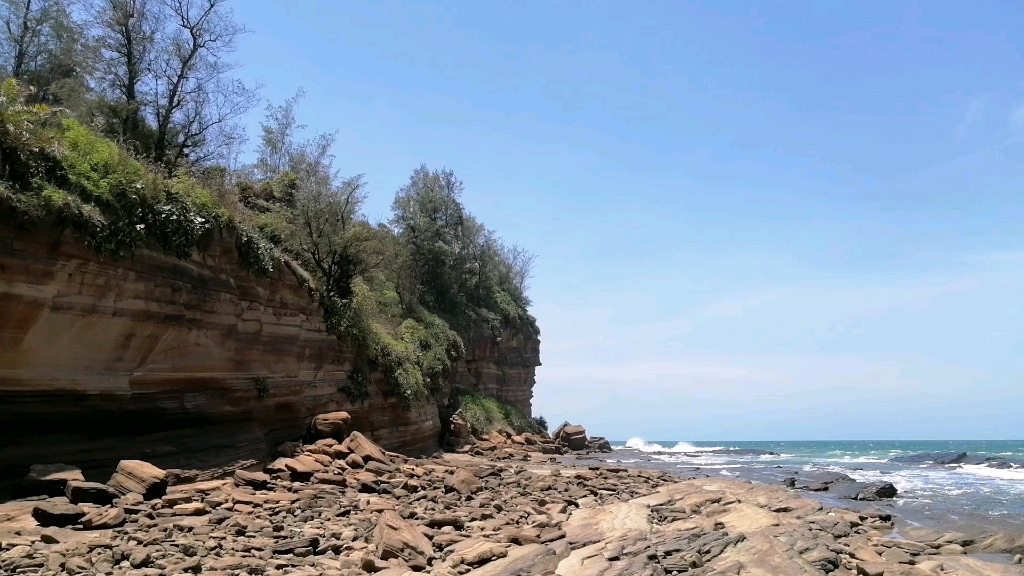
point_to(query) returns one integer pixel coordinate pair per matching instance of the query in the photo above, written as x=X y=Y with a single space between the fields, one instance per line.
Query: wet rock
x=875 y=492
x=932 y=458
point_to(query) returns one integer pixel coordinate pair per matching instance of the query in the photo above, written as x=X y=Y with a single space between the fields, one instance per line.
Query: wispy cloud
x=973 y=115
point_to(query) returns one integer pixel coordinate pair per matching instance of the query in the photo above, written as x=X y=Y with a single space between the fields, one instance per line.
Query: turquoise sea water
x=989 y=485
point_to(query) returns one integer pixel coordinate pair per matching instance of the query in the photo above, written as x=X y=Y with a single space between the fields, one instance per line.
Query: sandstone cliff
x=186 y=363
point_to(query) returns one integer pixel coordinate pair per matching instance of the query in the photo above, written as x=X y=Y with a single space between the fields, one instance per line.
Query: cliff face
x=184 y=363
x=504 y=368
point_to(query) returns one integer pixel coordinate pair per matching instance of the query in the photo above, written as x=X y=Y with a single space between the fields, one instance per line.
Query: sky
x=753 y=220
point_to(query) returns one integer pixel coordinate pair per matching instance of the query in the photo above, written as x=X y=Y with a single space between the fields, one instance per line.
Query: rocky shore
x=504 y=505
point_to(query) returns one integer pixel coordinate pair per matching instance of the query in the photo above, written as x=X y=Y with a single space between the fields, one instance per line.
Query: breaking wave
x=645 y=446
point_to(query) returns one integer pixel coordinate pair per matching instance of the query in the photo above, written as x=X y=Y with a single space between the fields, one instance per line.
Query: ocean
x=984 y=487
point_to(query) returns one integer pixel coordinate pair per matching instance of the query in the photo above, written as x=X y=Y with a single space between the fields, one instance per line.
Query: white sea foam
x=645 y=446
x=982 y=470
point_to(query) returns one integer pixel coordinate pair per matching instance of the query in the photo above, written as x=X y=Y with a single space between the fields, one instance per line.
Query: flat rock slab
x=58 y=515
x=520 y=561
x=589 y=525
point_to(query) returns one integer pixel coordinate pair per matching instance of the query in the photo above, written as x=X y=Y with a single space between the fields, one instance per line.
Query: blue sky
x=755 y=220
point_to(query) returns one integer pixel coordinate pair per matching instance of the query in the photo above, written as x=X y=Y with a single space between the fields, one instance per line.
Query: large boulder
x=599 y=444
x=330 y=425
x=49 y=479
x=395 y=538
x=136 y=476
x=571 y=436
x=880 y=491
x=356 y=443
x=460 y=432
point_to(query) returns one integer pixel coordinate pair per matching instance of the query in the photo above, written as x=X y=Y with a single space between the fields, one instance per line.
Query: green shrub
x=414 y=354
x=486 y=414
x=56 y=171
x=357 y=387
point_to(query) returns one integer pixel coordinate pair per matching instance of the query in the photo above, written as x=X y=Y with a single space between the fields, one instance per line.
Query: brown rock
x=330 y=425
x=139 y=477
x=304 y=464
x=459 y=426
x=257 y=480
x=104 y=518
x=476 y=551
x=463 y=482
x=191 y=509
x=395 y=538
x=354 y=461
x=330 y=479
x=90 y=493
x=872 y=568
x=50 y=479
x=572 y=436
x=356 y=443
x=286 y=546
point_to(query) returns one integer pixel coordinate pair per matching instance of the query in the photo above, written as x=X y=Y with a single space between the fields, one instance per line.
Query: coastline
x=496 y=507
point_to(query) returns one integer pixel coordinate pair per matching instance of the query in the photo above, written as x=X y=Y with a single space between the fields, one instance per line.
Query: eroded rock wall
x=184 y=363
x=503 y=367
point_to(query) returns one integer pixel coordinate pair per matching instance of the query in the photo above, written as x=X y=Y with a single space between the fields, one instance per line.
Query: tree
x=431 y=221
x=126 y=37
x=278 y=144
x=43 y=46
x=166 y=75
x=195 y=100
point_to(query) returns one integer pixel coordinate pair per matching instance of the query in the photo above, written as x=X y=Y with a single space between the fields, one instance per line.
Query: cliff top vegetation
x=118 y=120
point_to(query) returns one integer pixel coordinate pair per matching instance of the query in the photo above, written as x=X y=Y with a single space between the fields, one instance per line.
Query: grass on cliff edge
x=486 y=414
x=55 y=171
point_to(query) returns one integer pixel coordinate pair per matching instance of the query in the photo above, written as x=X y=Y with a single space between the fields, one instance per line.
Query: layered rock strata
x=188 y=364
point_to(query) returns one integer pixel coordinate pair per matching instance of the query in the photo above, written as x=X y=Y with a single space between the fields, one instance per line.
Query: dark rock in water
x=875 y=492
x=932 y=458
x=819 y=487
x=789 y=482
x=834 y=478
